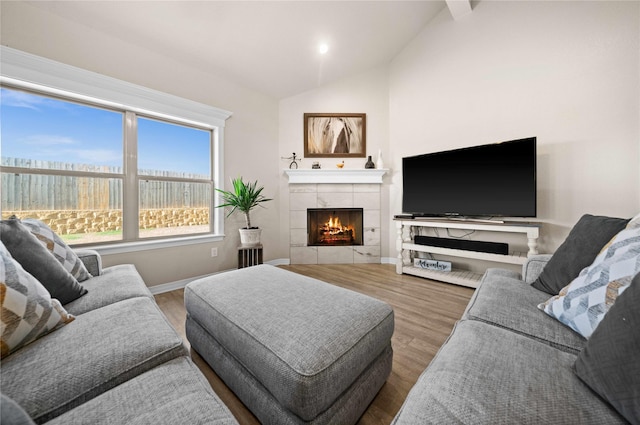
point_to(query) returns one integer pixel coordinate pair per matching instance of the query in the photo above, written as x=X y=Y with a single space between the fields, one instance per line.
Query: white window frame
x=24 y=70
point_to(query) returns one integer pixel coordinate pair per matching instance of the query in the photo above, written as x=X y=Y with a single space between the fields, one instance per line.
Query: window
x=174 y=165
x=103 y=161
x=62 y=164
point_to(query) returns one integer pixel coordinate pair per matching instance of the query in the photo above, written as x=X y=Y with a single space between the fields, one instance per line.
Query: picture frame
x=328 y=135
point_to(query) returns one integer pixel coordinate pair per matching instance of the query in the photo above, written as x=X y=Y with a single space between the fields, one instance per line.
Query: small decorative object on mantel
x=380 y=164
x=369 y=164
x=294 y=159
x=315 y=165
x=340 y=164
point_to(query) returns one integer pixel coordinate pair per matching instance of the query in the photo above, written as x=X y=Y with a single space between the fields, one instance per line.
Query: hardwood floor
x=425 y=313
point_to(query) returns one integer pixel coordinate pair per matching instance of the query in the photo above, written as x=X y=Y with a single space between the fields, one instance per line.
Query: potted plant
x=244 y=197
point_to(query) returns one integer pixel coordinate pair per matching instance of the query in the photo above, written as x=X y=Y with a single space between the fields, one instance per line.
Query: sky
x=47 y=129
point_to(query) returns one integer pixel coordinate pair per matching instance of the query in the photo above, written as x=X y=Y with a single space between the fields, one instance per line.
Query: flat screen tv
x=494 y=180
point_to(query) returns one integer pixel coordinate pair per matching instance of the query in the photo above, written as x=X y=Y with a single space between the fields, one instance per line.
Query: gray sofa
x=506 y=362
x=118 y=362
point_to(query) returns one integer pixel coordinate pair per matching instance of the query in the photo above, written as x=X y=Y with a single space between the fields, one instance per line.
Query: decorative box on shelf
x=441 y=266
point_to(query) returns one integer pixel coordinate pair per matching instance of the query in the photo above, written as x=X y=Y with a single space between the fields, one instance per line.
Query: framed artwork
x=335 y=135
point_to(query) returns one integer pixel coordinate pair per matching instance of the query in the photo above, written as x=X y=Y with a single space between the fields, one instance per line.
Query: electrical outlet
x=214 y=252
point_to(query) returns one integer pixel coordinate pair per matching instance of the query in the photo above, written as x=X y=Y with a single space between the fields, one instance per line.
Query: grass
x=92 y=237
x=116 y=235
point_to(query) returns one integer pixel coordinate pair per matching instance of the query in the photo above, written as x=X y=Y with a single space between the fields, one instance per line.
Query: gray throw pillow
x=610 y=362
x=39 y=261
x=587 y=238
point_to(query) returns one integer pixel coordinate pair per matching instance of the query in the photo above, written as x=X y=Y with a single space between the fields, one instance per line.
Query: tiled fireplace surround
x=334 y=195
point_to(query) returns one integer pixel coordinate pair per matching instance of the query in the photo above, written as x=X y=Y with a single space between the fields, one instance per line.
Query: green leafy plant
x=244 y=197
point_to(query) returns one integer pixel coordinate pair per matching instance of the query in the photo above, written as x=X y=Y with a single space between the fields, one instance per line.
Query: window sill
x=124 y=247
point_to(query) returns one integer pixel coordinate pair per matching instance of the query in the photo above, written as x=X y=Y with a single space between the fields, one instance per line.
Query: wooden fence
x=27 y=192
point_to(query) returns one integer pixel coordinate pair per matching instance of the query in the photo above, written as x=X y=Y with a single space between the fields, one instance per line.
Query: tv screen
x=482 y=181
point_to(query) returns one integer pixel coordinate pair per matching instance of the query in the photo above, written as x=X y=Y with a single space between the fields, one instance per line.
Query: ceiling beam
x=459 y=8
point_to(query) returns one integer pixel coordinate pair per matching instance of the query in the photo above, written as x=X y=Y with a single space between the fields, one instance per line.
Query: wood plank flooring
x=425 y=313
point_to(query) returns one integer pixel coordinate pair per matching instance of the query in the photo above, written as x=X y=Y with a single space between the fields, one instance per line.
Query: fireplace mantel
x=365 y=176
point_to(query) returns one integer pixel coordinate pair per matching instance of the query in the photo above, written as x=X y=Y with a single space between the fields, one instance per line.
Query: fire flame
x=334 y=227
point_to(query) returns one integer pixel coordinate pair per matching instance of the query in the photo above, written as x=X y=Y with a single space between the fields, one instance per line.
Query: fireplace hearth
x=334 y=226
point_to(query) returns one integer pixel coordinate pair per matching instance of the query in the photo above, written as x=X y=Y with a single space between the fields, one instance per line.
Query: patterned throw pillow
x=583 y=303
x=58 y=248
x=27 y=310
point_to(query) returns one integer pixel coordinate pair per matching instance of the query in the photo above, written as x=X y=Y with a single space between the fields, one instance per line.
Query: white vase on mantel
x=380 y=163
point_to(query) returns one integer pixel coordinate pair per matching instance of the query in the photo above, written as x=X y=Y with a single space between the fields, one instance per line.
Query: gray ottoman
x=294 y=349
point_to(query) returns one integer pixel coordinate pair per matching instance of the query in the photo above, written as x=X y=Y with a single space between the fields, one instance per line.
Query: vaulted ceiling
x=269 y=46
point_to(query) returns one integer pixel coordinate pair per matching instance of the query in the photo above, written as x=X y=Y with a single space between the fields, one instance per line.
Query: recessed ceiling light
x=323 y=48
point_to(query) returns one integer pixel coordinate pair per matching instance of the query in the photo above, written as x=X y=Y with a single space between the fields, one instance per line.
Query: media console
x=407 y=247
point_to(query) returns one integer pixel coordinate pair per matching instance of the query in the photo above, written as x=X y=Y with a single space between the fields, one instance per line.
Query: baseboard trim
x=279 y=262
x=179 y=284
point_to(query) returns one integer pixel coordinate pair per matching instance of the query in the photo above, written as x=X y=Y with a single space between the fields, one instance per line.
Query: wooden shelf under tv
x=407 y=249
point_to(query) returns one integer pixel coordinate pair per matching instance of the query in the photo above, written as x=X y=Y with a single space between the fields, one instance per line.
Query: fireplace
x=335 y=190
x=334 y=226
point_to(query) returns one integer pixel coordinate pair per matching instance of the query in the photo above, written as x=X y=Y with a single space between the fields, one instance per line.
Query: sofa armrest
x=534 y=265
x=91 y=259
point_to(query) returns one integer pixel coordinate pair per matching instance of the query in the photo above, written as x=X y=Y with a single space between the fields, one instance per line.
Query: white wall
x=251 y=134
x=566 y=72
x=365 y=93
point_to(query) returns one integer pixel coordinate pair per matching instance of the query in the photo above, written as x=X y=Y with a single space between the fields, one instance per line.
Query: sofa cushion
x=28 y=312
x=610 y=363
x=579 y=249
x=172 y=393
x=500 y=296
x=60 y=250
x=487 y=375
x=12 y=414
x=583 y=303
x=38 y=261
x=102 y=349
x=116 y=283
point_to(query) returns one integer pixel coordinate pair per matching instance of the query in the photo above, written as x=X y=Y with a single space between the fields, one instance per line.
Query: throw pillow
x=579 y=249
x=610 y=363
x=63 y=253
x=27 y=310
x=38 y=261
x=583 y=303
